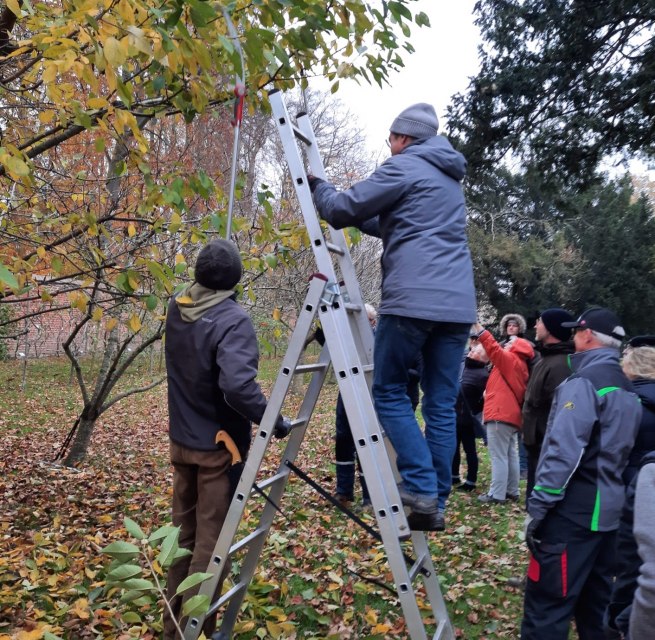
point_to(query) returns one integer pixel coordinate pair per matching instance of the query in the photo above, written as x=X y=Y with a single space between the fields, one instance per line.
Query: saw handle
x=230 y=445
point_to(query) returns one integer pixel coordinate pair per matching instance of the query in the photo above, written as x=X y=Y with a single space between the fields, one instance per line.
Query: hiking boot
x=485 y=498
x=435 y=521
x=514 y=498
x=416 y=501
x=517 y=582
x=344 y=501
x=466 y=486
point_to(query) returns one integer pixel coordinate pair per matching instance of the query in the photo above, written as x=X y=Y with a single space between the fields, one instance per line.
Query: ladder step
x=271 y=480
x=301 y=136
x=308 y=368
x=334 y=248
x=228 y=595
x=417 y=567
x=244 y=542
x=352 y=308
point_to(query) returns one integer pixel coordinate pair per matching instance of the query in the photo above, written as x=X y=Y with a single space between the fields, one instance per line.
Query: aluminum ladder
x=337 y=303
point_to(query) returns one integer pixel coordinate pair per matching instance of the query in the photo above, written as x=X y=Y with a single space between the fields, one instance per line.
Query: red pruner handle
x=239 y=94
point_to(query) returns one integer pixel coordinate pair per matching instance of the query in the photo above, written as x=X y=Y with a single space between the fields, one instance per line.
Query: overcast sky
x=445 y=57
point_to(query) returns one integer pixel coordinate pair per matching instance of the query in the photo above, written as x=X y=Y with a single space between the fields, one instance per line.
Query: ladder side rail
x=338 y=238
x=251 y=559
x=432 y=586
x=259 y=446
x=299 y=179
x=367 y=433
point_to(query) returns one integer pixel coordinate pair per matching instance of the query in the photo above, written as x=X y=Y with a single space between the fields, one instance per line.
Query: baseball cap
x=599 y=319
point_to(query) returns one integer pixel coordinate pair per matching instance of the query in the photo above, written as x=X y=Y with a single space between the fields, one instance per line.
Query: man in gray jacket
x=575 y=507
x=211 y=363
x=414 y=202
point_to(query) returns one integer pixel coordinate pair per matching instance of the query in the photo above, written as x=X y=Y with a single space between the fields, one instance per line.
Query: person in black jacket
x=639 y=365
x=212 y=359
x=469 y=405
x=554 y=346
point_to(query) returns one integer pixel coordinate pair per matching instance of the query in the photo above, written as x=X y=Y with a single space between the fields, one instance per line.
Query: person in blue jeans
x=414 y=202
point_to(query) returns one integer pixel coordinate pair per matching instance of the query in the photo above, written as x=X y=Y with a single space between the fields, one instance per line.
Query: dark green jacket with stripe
x=591 y=430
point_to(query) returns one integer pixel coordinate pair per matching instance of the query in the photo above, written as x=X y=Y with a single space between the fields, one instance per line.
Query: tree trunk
x=82 y=439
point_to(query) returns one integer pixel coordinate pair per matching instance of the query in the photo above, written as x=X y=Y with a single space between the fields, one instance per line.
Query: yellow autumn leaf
x=185 y=299
x=381 y=628
x=131 y=230
x=134 y=323
x=97 y=314
x=81 y=608
x=46 y=116
x=274 y=629
x=111 y=323
x=114 y=53
x=34 y=634
x=276 y=315
x=97 y=103
x=178 y=256
x=40 y=252
x=14 y=7
x=371 y=617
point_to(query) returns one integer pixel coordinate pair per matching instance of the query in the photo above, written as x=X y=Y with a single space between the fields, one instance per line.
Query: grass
x=54 y=522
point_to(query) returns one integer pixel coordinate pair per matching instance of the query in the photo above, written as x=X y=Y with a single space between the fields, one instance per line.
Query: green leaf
x=196 y=605
x=121 y=550
x=191 y=581
x=134 y=529
x=131 y=617
x=51 y=636
x=162 y=532
x=124 y=572
x=8 y=278
x=168 y=548
x=138 y=584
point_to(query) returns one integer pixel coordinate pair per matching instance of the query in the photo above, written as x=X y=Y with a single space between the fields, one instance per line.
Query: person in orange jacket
x=502 y=416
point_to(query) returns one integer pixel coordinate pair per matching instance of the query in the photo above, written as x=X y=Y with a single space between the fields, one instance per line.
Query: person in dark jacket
x=639 y=365
x=554 y=346
x=575 y=506
x=470 y=402
x=211 y=363
x=414 y=202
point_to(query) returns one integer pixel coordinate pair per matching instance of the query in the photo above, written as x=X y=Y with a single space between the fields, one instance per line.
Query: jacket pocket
x=549 y=569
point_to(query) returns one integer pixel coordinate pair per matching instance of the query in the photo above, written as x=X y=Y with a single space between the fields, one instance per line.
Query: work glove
x=530 y=529
x=282 y=428
x=313 y=182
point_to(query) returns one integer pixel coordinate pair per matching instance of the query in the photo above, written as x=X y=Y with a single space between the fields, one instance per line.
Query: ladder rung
x=335 y=248
x=352 y=308
x=301 y=136
x=228 y=595
x=367 y=368
x=272 y=480
x=417 y=567
x=308 y=368
x=244 y=542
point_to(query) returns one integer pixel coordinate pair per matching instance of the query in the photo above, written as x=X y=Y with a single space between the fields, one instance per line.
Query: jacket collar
x=603 y=355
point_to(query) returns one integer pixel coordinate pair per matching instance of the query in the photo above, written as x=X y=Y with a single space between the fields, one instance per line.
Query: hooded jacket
x=628 y=560
x=505 y=390
x=591 y=430
x=414 y=202
x=517 y=317
x=212 y=359
x=546 y=375
x=645 y=442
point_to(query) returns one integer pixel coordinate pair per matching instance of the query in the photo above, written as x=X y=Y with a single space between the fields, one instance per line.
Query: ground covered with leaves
x=311 y=582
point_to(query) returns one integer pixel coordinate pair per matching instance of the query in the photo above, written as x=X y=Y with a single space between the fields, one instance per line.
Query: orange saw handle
x=226 y=439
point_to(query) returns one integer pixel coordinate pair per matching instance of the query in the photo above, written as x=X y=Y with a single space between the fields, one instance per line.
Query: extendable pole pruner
x=239 y=98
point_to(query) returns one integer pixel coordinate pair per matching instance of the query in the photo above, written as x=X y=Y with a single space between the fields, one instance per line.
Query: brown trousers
x=201 y=498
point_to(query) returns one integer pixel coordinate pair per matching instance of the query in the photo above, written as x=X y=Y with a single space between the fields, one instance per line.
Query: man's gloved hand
x=313 y=181
x=282 y=428
x=530 y=531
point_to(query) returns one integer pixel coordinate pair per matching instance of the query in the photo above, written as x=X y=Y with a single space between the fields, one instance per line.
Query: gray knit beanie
x=219 y=265
x=418 y=121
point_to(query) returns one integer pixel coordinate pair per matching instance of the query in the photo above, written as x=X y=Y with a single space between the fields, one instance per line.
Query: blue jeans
x=424 y=461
